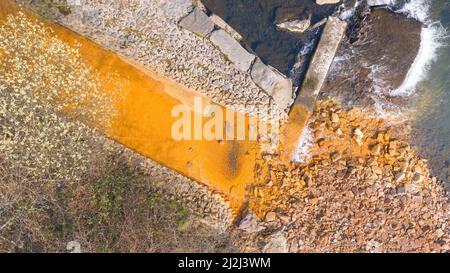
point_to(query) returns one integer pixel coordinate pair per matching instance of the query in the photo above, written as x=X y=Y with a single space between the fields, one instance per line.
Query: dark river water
x=431 y=105
x=256 y=21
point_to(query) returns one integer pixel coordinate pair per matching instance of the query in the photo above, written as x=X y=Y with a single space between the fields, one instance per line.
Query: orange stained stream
x=144 y=120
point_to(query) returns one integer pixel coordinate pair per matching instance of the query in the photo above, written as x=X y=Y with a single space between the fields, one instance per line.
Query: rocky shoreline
x=364 y=190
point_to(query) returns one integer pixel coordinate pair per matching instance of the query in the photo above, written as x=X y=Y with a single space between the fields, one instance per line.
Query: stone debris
x=198 y=22
x=250 y=224
x=350 y=199
x=277 y=243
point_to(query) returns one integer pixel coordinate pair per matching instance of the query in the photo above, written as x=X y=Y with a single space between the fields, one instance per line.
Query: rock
x=399 y=176
x=374 y=3
x=327 y=2
x=270 y=216
x=291 y=13
x=377 y=170
x=358 y=133
x=74 y=247
x=339 y=131
x=250 y=224
x=358 y=136
x=374 y=46
x=273 y=82
x=376 y=149
x=401 y=190
x=417 y=178
x=335 y=157
x=277 y=243
x=198 y=22
x=232 y=50
x=295 y=25
x=412 y=188
x=320 y=23
x=392 y=149
x=334 y=118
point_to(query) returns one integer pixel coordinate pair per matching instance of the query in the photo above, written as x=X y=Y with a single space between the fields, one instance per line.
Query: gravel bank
x=365 y=190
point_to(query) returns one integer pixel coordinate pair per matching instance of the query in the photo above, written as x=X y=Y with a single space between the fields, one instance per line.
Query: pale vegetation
x=60 y=180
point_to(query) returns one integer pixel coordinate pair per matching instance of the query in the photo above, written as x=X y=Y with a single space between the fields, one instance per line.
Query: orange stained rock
x=144 y=120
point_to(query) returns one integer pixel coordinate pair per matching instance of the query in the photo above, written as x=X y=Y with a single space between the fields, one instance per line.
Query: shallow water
x=431 y=105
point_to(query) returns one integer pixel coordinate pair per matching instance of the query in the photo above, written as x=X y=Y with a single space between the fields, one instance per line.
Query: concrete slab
x=273 y=82
x=318 y=69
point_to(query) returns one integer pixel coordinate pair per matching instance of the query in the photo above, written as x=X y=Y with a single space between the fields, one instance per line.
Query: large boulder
x=241 y=58
x=374 y=59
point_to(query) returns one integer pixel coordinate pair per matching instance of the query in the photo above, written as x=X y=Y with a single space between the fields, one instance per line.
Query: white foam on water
x=417 y=9
x=347 y=14
x=305 y=143
x=432 y=38
x=308 y=48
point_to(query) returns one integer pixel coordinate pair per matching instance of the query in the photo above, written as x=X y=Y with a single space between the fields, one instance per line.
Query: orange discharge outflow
x=144 y=121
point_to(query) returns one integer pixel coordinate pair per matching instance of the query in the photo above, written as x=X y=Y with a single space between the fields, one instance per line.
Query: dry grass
x=114 y=211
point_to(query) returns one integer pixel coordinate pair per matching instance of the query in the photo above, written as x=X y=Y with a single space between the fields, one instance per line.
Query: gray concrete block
x=198 y=22
x=273 y=82
x=232 y=49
